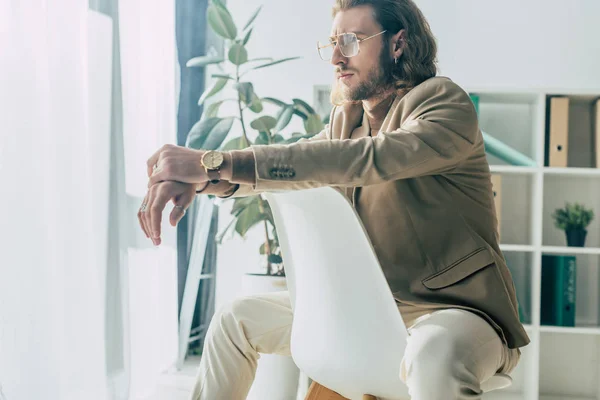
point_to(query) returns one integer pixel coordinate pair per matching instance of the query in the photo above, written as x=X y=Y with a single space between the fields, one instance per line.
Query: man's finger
x=141 y=216
x=158 y=176
x=153 y=160
x=157 y=208
x=148 y=215
x=182 y=203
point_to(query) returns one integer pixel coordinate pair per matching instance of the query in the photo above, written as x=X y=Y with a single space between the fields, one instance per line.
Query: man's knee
x=230 y=314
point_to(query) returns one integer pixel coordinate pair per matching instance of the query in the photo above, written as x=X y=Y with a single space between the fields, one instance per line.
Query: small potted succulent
x=573 y=219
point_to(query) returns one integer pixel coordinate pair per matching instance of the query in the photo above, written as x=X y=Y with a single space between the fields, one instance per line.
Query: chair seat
x=496 y=382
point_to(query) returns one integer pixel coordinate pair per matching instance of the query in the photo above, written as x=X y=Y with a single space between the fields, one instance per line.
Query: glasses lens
x=348 y=44
x=325 y=49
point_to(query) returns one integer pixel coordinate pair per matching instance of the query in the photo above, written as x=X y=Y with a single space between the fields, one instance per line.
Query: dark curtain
x=191 y=31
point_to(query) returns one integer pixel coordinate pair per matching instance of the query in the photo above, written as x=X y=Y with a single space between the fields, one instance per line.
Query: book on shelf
x=559 y=277
x=500 y=149
x=557 y=132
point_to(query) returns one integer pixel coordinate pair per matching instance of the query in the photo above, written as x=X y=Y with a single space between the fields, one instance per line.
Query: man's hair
x=418 y=60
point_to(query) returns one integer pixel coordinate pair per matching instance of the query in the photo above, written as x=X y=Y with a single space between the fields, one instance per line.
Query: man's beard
x=379 y=79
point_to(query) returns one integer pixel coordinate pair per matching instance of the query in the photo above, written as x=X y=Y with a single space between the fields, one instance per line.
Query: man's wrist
x=226 y=167
x=200 y=187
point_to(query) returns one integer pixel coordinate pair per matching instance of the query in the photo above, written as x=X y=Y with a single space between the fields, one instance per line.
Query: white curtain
x=51 y=287
x=148 y=76
x=56 y=331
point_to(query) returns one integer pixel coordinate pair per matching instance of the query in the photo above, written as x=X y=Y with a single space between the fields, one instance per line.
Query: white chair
x=347 y=333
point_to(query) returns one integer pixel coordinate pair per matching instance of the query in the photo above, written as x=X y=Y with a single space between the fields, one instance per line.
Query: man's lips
x=345 y=75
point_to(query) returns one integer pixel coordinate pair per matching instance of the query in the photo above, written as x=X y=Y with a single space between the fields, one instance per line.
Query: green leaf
x=277 y=138
x=252 y=18
x=256 y=104
x=300 y=114
x=228 y=77
x=284 y=117
x=203 y=61
x=275 y=259
x=218 y=134
x=262 y=139
x=246 y=91
x=220 y=21
x=274 y=101
x=260 y=59
x=219 y=3
x=249 y=217
x=247 y=37
x=303 y=106
x=241 y=203
x=238 y=143
x=313 y=124
x=276 y=62
x=264 y=123
x=216 y=88
x=247 y=95
x=212 y=110
x=296 y=138
x=207 y=132
x=263 y=249
x=238 y=54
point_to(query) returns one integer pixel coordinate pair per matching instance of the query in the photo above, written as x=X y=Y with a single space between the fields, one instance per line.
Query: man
x=406 y=147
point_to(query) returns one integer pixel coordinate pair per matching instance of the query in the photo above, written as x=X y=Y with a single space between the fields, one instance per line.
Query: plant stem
x=239 y=101
x=261 y=208
x=267 y=248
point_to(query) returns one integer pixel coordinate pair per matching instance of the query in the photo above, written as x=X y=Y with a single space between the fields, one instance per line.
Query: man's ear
x=399 y=41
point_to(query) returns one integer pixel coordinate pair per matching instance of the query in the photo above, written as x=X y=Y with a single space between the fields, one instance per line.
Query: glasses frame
x=334 y=43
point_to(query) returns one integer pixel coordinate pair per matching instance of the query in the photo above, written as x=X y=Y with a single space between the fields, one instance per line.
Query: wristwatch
x=212 y=162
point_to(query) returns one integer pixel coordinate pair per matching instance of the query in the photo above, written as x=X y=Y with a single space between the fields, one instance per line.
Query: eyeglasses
x=347 y=42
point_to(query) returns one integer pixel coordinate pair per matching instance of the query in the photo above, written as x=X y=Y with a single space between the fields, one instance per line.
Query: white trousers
x=448 y=352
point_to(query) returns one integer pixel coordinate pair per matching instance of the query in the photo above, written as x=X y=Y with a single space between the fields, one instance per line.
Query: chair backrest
x=347 y=332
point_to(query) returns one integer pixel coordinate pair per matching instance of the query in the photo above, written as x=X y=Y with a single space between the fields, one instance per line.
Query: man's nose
x=337 y=57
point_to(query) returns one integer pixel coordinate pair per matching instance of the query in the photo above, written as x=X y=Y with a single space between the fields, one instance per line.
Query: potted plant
x=255 y=126
x=573 y=219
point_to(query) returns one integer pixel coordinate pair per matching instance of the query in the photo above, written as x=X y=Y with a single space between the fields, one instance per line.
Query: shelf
x=572 y=171
x=570 y=250
x=517 y=247
x=570 y=330
x=512 y=169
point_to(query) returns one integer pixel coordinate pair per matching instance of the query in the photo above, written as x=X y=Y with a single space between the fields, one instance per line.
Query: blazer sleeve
x=439 y=130
x=244 y=172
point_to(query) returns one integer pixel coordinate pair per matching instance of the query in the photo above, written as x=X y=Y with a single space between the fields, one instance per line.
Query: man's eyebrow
x=355 y=32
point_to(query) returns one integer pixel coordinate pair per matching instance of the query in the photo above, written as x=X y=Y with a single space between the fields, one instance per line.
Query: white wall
x=482 y=43
x=512 y=43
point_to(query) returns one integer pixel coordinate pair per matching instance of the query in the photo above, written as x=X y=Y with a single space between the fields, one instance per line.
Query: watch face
x=212 y=159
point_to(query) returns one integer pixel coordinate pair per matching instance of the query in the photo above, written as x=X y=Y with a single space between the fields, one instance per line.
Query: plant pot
x=576 y=237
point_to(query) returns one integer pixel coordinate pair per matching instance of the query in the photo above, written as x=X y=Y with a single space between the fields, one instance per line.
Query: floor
x=177 y=385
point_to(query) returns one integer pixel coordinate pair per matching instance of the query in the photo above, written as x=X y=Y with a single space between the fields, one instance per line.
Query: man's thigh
x=265 y=320
x=458 y=336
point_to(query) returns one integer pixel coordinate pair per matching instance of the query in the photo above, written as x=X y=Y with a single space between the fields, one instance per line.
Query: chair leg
x=319 y=392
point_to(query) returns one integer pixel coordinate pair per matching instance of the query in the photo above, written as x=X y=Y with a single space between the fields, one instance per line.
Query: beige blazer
x=422 y=188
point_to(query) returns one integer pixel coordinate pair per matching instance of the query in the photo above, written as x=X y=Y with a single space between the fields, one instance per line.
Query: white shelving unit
x=560 y=362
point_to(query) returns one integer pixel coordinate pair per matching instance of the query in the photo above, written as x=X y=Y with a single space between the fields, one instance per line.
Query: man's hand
x=150 y=214
x=176 y=163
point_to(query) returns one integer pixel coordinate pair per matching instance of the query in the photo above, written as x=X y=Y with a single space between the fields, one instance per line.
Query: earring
x=395 y=60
